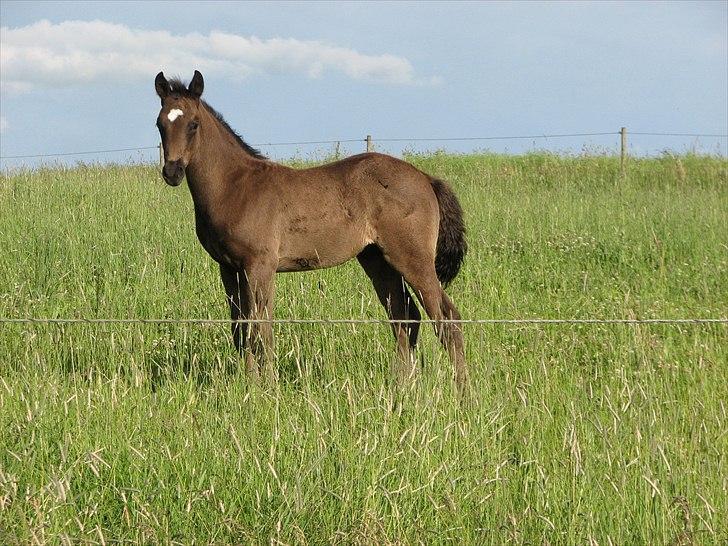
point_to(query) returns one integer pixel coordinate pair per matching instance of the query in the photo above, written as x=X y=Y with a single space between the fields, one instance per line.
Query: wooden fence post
x=161 y=155
x=623 y=151
x=370 y=146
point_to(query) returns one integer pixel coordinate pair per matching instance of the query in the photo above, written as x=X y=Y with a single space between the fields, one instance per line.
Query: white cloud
x=72 y=52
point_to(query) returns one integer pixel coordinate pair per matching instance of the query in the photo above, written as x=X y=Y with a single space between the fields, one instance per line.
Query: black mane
x=180 y=89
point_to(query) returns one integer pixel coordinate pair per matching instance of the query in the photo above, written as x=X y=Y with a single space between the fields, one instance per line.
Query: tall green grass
x=606 y=434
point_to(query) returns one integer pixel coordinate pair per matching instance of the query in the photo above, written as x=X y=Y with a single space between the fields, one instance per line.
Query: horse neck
x=209 y=170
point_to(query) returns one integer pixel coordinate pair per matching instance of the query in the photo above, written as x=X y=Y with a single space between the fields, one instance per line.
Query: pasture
x=600 y=434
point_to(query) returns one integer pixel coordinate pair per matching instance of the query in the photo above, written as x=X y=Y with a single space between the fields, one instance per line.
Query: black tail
x=451 y=244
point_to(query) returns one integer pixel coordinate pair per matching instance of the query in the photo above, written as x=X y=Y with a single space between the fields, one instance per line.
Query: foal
x=256 y=217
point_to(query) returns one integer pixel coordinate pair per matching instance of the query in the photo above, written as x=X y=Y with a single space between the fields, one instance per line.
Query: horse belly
x=318 y=247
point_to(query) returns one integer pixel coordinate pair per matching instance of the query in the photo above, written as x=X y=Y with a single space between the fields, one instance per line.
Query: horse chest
x=216 y=241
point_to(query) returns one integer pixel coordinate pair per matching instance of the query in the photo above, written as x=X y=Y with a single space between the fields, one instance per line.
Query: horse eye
x=192 y=126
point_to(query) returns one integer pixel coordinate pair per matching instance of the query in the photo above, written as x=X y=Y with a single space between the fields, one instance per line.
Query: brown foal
x=256 y=217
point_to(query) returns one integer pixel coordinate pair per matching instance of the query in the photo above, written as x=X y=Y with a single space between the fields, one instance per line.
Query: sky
x=79 y=76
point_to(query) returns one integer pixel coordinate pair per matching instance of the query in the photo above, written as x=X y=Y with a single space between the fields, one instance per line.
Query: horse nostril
x=172 y=169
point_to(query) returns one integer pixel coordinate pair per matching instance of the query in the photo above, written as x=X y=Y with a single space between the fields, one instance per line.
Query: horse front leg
x=261 y=286
x=238 y=298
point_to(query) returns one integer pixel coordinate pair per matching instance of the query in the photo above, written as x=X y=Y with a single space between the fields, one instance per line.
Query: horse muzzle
x=172 y=172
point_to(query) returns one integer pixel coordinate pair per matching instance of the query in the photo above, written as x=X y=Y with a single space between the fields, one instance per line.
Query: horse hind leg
x=399 y=304
x=440 y=308
x=418 y=270
x=451 y=335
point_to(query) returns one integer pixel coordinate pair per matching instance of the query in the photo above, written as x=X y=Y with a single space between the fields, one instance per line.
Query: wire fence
x=88 y=152
x=368 y=140
x=323 y=321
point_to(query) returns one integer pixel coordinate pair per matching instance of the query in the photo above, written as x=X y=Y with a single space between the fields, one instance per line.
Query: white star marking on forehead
x=174 y=113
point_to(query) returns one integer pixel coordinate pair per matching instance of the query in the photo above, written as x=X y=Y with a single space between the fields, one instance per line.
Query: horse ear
x=197 y=85
x=161 y=85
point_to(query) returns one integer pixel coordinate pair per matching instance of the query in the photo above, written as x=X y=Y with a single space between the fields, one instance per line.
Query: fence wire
x=403 y=139
x=81 y=153
x=209 y=321
x=680 y=134
x=343 y=140
x=446 y=139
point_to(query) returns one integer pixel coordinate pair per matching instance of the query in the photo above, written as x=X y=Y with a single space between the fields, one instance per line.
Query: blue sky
x=79 y=76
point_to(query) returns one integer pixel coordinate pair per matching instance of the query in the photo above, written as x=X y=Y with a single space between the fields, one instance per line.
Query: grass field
x=599 y=434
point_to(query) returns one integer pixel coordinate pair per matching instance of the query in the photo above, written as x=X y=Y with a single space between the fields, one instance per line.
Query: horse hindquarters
x=411 y=244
